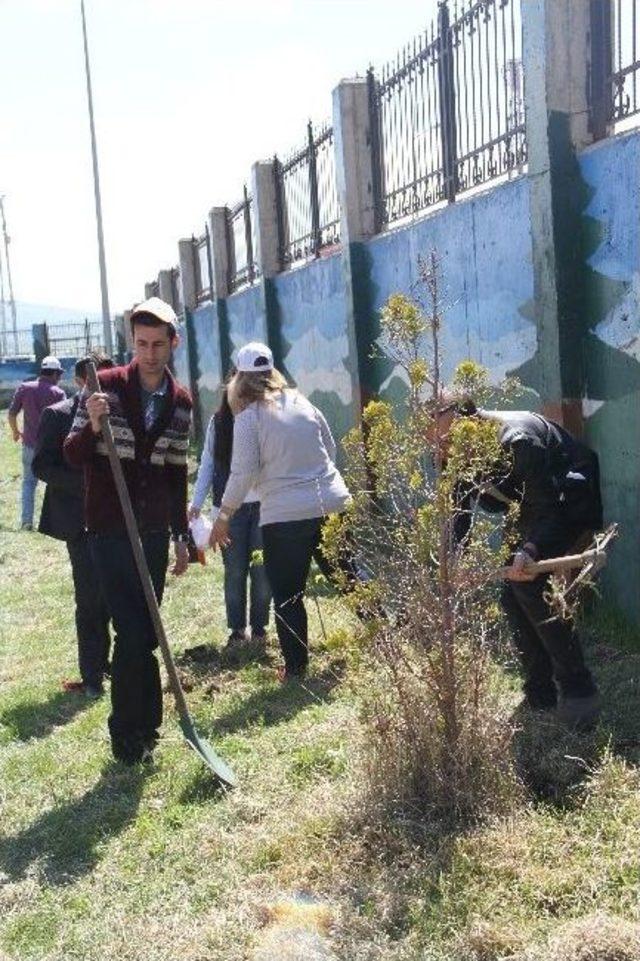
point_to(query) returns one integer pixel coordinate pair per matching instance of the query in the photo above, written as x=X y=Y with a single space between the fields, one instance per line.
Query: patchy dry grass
x=98 y=862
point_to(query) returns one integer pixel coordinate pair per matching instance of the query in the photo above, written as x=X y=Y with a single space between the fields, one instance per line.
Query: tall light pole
x=12 y=303
x=3 y=313
x=106 y=316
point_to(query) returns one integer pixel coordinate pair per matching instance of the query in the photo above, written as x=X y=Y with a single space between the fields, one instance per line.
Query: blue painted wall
x=181 y=356
x=312 y=318
x=611 y=244
x=246 y=318
x=204 y=362
x=484 y=248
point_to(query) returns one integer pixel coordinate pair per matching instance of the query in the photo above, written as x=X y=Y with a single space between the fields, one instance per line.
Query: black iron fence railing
x=309 y=211
x=448 y=113
x=624 y=26
x=241 y=243
x=485 y=43
x=203 y=267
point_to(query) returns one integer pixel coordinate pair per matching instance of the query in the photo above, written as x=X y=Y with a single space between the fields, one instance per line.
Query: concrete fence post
x=265 y=212
x=166 y=289
x=354 y=159
x=556 y=53
x=219 y=251
x=186 y=255
x=355 y=176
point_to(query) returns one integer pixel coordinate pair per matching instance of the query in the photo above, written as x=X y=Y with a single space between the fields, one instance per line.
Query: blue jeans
x=246 y=538
x=29 y=483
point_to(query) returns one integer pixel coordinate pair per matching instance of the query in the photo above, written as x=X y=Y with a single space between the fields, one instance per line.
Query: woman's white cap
x=254 y=357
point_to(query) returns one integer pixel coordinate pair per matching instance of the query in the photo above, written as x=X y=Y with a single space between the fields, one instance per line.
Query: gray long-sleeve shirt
x=284 y=448
x=204 y=480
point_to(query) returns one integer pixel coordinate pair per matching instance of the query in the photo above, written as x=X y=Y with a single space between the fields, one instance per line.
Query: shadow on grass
x=553 y=761
x=204 y=661
x=38 y=718
x=64 y=843
x=201 y=788
x=273 y=705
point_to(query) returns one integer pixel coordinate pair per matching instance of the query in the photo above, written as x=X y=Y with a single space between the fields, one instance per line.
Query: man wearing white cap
x=150 y=414
x=31 y=398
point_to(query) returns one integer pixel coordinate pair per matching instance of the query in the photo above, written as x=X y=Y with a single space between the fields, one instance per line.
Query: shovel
x=222 y=771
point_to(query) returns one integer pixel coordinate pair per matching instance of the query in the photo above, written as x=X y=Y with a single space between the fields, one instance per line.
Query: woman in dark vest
x=245 y=535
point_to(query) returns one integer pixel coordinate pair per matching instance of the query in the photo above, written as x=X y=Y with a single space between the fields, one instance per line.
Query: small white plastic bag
x=201 y=528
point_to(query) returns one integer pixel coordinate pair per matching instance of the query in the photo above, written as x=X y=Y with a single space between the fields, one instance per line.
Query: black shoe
x=130 y=749
x=236 y=638
x=541 y=698
x=580 y=713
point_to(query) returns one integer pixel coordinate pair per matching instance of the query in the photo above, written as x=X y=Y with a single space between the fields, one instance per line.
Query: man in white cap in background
x=31 y=397
x=150 y=414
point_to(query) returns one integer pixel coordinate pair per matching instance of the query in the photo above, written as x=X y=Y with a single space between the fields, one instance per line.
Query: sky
x=187 y=95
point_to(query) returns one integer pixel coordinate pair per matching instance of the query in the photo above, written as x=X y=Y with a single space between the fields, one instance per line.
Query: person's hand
x=97 y=405
x=17 y=435
x=182 y=558
x=518 y=569
x=219 y=536
x=193 y=512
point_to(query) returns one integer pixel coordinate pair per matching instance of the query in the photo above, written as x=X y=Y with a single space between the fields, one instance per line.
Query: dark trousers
x=136 y=695
x=288 y=550
x=550 y=649
x=92 y=614
x=244 y=530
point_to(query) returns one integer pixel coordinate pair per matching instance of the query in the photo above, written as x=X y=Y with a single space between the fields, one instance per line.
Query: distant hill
x=29 y=314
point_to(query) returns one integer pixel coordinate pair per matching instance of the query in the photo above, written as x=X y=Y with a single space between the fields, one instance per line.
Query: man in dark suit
x=62 y=517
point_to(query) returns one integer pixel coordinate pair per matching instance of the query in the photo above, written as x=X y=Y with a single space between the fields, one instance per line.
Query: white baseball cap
x=50 y=363
x=254 y=357
x=157 y=308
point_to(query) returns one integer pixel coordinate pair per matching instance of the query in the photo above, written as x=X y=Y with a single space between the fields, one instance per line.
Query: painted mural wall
x=204 y=359
x=312 y=321
x=246 y=319
x=484 y=249
x=611 y=344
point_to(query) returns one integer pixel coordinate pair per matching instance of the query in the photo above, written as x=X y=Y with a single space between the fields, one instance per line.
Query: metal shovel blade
x=222 y=771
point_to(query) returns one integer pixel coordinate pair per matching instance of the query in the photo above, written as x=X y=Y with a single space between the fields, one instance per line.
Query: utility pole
x=12 y=303
x=3 y=313
x=106 y=316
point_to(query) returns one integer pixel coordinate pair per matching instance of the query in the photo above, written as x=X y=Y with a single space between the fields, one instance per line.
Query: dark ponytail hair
x=223 y=424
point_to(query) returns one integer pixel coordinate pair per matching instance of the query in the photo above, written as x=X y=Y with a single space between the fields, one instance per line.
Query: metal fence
x=204 y=273
x=624 y=26
x=17 y=343
x=241 y=243
x=308 y=207
x=448 y=113
x=75 y=340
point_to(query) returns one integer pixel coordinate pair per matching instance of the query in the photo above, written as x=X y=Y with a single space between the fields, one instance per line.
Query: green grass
x=99 y=862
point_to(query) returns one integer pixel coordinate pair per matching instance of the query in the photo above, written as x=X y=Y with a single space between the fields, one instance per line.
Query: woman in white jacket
x=283 y=448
